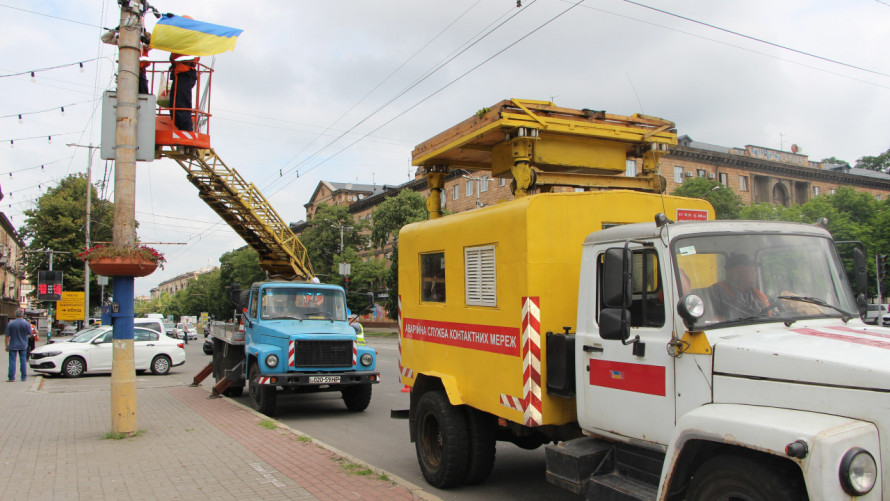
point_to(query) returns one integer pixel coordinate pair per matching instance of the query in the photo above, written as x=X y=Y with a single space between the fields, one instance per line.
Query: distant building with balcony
x=179 y=282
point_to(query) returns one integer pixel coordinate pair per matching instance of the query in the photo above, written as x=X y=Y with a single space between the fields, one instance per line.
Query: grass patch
x=269 y=425
x=353 y=468
x=304 y=438
x=110 y=435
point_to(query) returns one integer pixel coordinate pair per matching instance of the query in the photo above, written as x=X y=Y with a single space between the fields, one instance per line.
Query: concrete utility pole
x=86 y=266
x=123 y=371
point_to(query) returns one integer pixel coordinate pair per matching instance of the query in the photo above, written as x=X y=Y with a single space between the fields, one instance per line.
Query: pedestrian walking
x=185 y=332
x=17 y=333
x=33 y=338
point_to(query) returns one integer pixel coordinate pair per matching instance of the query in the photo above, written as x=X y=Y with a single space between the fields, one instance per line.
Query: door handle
x=592 y=348
x=149 y=345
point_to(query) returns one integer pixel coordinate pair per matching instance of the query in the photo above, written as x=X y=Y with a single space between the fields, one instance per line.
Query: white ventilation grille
x=481 y=276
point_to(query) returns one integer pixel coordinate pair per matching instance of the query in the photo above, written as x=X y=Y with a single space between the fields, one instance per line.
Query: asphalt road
x=370 y=435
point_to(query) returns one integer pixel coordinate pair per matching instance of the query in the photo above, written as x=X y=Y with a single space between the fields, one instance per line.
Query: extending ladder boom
x=247 y=211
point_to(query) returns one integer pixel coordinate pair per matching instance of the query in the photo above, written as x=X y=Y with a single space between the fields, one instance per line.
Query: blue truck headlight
x=367 y=359
x=272 y=360
x=858 y=472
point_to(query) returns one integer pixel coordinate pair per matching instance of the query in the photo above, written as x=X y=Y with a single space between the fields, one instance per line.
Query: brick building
x=179 y=282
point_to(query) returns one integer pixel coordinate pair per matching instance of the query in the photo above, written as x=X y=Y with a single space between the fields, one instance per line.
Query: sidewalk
x=53 y=446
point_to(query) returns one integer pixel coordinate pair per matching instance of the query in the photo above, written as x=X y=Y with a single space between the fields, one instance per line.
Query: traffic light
x=882 y=266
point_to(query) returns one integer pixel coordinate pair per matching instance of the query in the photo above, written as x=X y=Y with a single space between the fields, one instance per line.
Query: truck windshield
x=754 y=278
x=302 y=304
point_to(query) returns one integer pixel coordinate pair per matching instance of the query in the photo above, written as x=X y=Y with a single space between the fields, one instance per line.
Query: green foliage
x=58 y=222
x=323 y=238
x=835 y=160
x=241 y=266
x=852 y=215
x=727 y=204
x=405 y=208
x=365 y=276
x=879 y=163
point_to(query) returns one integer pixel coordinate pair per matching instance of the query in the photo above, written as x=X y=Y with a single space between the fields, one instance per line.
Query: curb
x=414 y=489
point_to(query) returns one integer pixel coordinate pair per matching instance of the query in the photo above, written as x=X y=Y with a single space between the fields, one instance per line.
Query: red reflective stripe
x=838 y=337
x=491 y=338
x=860 y=331
x=637 y=378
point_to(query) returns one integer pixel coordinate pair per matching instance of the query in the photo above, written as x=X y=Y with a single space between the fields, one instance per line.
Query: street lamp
x=86 y=266
x=479 y=181
x=341 y=227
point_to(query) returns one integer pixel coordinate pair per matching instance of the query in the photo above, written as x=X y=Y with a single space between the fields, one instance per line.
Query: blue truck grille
x=323 y=354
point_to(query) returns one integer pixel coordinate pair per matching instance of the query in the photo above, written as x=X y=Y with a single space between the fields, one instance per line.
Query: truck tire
x=481 y=427
x=234 y=391
x=745 y=478
x=262 y=396
x=442 y=445
x=358 y=397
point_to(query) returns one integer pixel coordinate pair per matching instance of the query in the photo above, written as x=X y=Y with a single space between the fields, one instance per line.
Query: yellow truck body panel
x=480 y=289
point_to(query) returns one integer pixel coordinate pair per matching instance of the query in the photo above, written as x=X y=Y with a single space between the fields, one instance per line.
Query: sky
x=343 y=91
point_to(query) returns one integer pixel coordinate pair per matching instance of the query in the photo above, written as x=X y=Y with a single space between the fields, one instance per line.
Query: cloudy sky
x=343 y=90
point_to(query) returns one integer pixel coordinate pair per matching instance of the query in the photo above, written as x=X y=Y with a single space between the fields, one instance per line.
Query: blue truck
x=292 y=337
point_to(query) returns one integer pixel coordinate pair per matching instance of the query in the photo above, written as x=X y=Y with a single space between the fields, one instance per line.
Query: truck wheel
x=262 y=396
x=234 y=391
x=743 y=478
x=482 y=445
x=358 y=397
x=442 y=444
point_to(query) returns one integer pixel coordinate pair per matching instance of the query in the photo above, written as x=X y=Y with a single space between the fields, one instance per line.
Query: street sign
x=70 y=307
x=345 y=268
x=49 y=285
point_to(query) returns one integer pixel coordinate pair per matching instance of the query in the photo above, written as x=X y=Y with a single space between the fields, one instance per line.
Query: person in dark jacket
x=17 y=333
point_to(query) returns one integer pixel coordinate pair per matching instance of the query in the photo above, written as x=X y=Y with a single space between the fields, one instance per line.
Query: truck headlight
x=272 y=360
x=858 y=472
x=367 y=359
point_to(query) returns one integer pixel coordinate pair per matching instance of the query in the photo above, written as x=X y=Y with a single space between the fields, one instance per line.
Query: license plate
x=324 y=379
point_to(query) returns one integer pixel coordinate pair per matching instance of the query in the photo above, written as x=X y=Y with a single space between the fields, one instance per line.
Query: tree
x=835 y=160
x=879 y=163
x=727 y=204
x=241 y=266
x=323 y=237
x=406 y=207
x=58 y=222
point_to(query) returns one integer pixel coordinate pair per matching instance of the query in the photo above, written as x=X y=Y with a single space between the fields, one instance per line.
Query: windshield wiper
x=819 y=302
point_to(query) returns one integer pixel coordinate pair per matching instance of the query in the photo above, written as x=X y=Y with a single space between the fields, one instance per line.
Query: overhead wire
x=760 y=40
x=440 y=89
x=52 y=16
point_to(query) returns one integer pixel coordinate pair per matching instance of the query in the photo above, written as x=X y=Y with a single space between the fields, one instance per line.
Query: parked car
x=154 y=324
x=189 y=328
x=875 y=313
x=208 y=345
x=90 y=351
x=69 y=330
x=885 y=321
x=170 y=329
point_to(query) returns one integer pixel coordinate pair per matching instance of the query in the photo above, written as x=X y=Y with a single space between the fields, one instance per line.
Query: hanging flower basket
x=111 y=261
x=122 y=267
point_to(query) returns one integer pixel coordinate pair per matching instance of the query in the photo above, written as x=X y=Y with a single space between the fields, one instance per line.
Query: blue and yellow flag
x=194 y=38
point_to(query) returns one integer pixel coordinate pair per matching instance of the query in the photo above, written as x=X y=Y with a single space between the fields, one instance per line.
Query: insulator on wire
x=33 y=78
x=20 y=119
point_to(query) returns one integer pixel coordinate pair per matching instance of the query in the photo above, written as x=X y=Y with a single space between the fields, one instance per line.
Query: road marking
x=268 y=475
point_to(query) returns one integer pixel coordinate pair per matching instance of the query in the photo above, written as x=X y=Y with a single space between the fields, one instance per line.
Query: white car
x=90 y=351
x=188 y=328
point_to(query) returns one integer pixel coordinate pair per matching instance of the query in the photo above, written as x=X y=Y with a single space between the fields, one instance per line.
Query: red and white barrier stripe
x=182 y=134
x=264 y=380
x=512 y=402
x=291 y=354
x=354 y=353
x=531 y=360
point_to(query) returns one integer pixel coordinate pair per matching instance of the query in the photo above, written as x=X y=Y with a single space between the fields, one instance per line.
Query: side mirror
x=617 y=287
x=617 y=294
x=235 y=295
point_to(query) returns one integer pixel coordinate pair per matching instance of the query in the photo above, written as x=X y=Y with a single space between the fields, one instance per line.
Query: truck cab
x=296 y=338
x=783 y=394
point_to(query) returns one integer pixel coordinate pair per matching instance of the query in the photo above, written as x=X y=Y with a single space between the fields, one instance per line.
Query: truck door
x=252 y=314
x=628 y=388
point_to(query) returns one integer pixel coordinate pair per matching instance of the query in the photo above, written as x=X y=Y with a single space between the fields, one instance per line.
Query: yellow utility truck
x=612 y=324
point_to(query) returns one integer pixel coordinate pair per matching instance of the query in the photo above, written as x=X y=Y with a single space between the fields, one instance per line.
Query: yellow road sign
x=70 y=307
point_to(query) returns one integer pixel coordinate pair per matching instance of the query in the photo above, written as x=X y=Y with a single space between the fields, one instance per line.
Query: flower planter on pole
x=122 y=266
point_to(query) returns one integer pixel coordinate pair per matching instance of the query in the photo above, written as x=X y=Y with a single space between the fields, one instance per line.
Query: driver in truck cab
x=736 y=296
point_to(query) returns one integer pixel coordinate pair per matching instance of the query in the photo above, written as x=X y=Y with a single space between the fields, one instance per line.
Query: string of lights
x=39 y=70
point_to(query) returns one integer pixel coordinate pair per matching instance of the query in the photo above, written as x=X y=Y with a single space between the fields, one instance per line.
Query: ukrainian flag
x=194 y=38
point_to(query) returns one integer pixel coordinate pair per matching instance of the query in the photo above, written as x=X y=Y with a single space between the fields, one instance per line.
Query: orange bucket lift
x=166 y=134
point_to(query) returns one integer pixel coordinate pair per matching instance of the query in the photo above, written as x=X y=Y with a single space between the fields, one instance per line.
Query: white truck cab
x=725 y=358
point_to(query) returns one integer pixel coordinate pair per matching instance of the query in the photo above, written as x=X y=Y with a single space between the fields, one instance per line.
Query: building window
x=832 y=191
x=743 y=183
x=878 y=197
x=480 y=275
x=678 y=175
x=630 y=168
x=817 y=191
x=501 y=182
x=432 y=277
x=469 y=187
x=455 y=191
x=701 y=173
x=724 y=179
x=483 y=184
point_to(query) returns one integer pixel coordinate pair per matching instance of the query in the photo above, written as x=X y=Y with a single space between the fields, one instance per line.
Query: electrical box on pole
x=145 y=126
